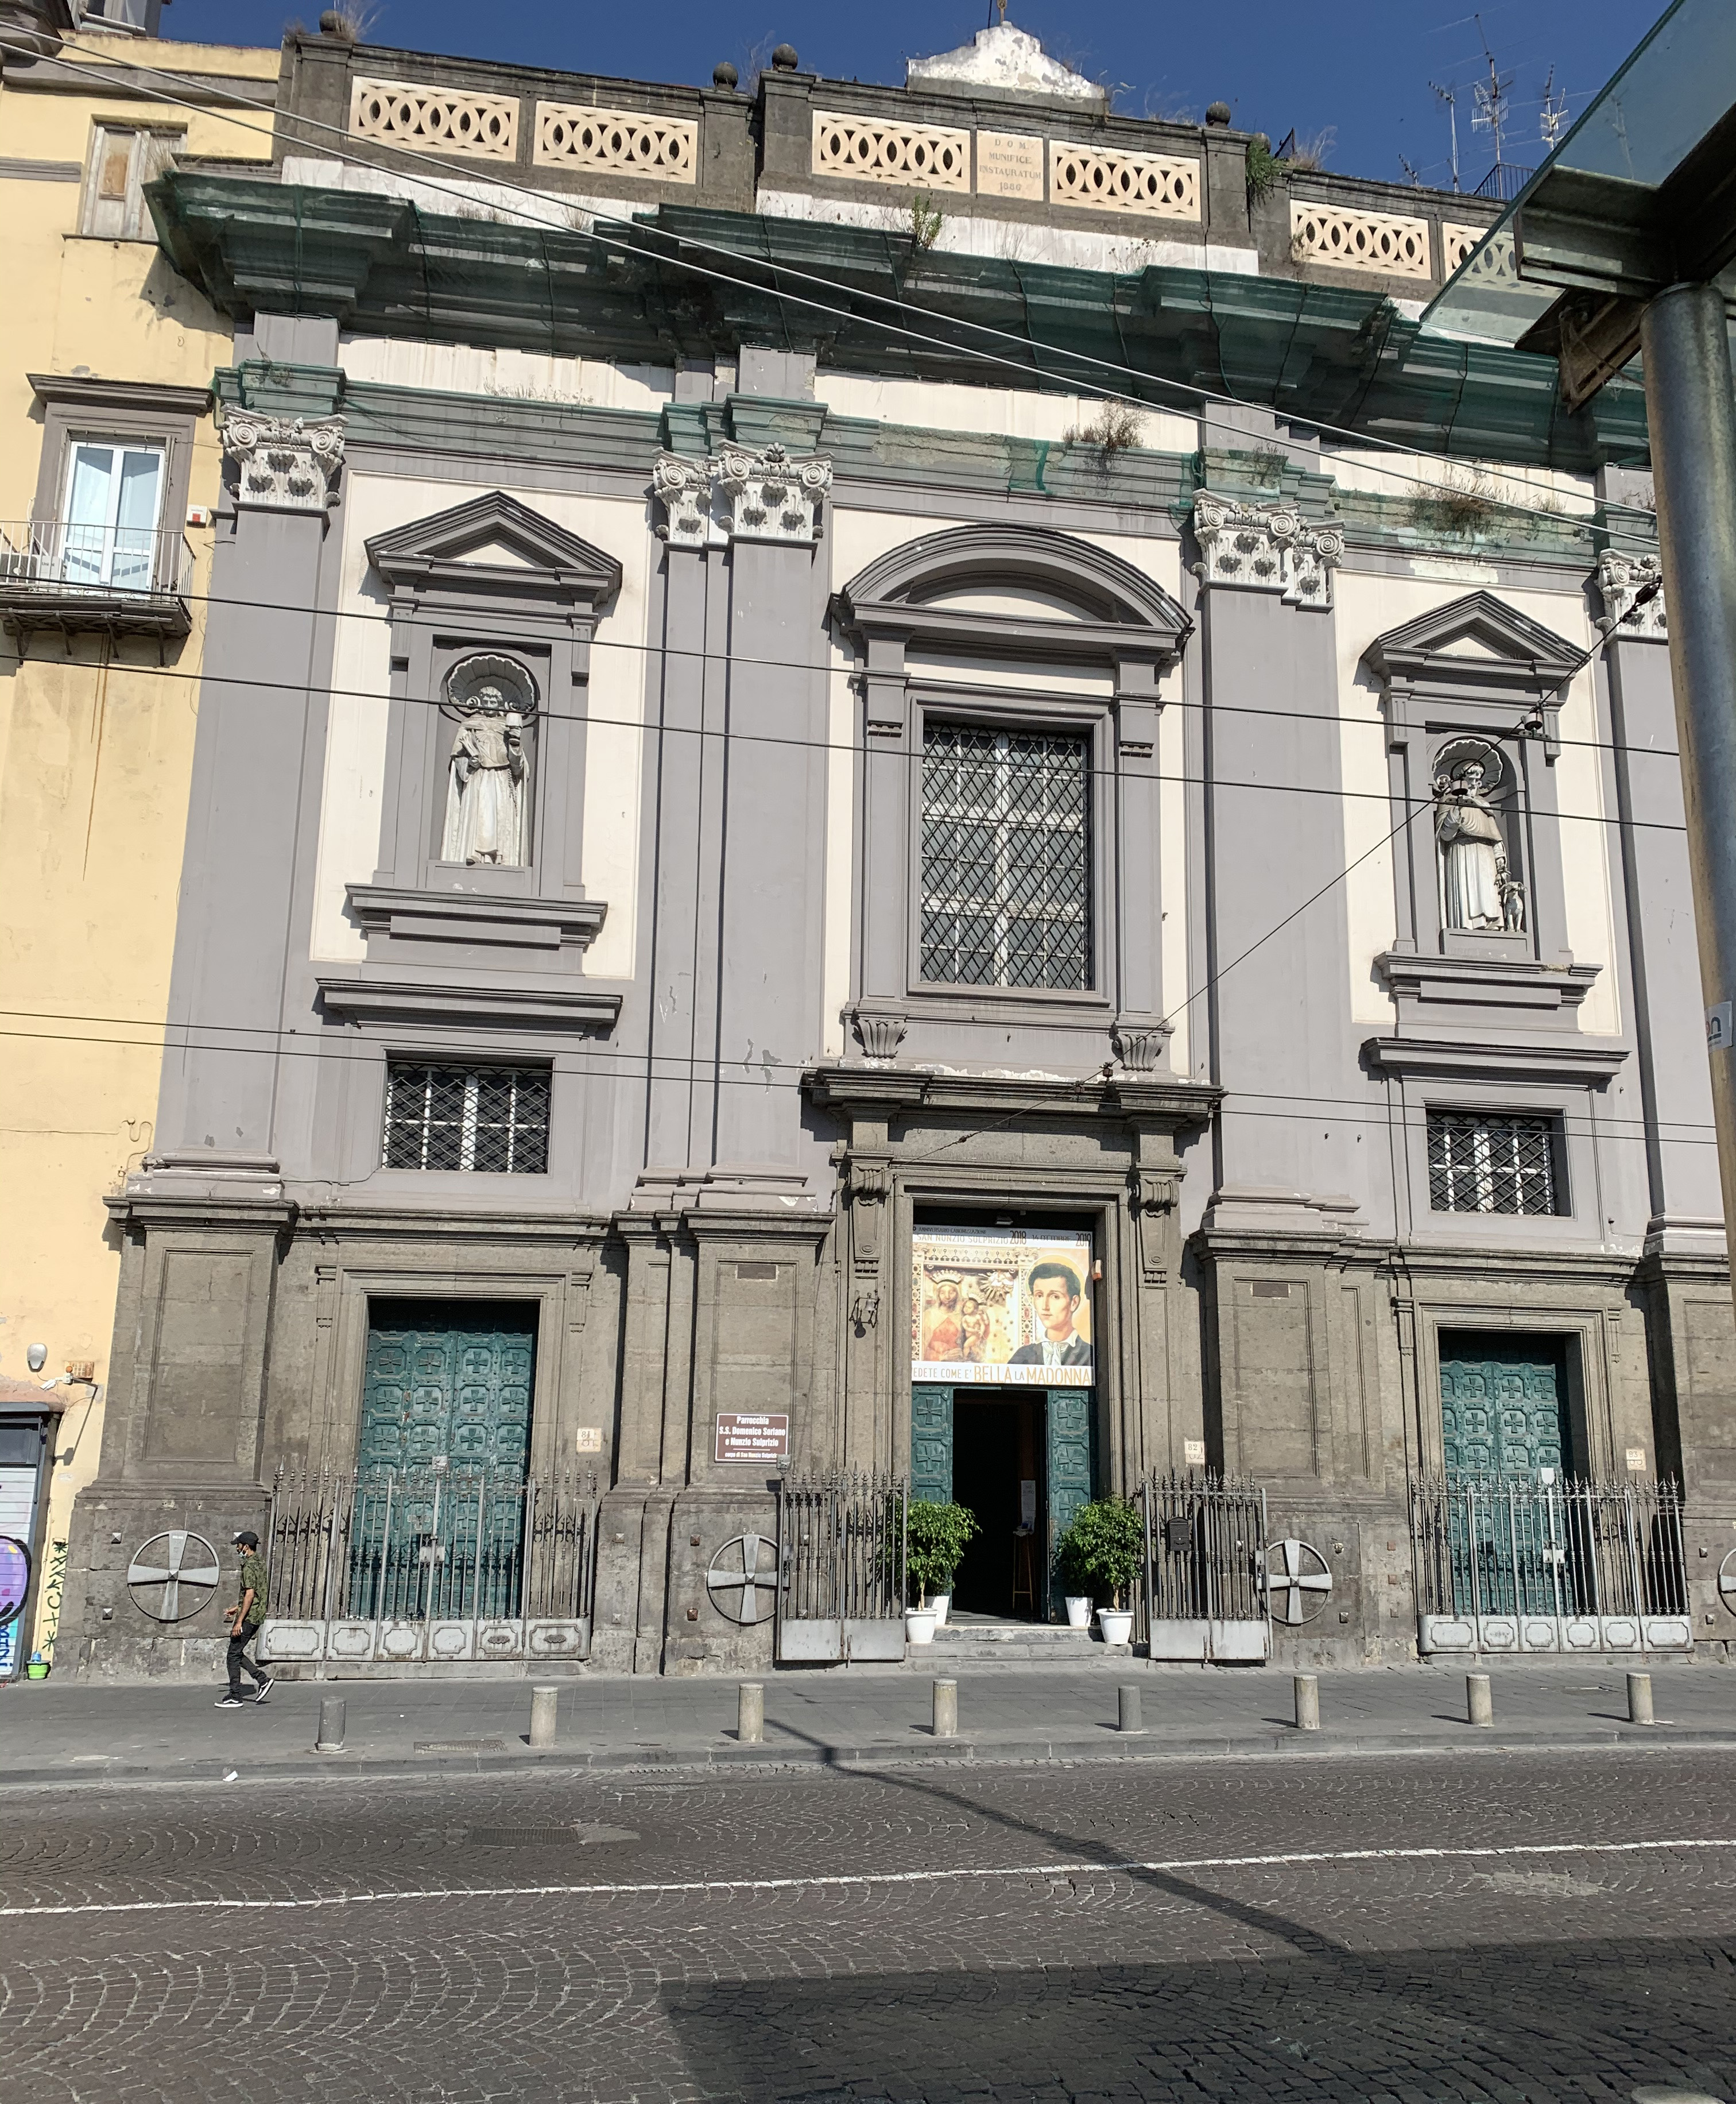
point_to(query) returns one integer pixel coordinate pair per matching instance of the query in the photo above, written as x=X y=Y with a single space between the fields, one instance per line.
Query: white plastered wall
x=519 y=375
x=1367 y=607
x=1016 y=412
x=361 y=688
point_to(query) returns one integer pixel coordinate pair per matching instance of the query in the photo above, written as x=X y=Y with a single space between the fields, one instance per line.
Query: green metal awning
x=1640 y=194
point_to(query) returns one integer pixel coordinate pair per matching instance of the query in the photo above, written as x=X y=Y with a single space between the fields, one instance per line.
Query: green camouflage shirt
x=253 y=1574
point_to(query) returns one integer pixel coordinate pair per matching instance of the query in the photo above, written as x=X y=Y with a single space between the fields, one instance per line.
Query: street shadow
x=1542 y=2022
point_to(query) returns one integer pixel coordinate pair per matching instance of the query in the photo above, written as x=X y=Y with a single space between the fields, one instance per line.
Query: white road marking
x=1177 y=1865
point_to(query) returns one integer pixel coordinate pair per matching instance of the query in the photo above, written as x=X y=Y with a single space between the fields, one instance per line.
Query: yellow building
x=110 y=475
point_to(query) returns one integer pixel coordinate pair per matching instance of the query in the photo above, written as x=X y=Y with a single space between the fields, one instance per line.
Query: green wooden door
x=1070 y=1419
x=1503 y=1405
x=930 y=1445
x=446 y=1385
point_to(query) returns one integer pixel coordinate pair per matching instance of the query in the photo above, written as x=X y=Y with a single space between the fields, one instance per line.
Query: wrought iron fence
x=1566 y=1564
x=1204 y=1594
x=841 y=1547
x=460 y=1549
x=63 y=555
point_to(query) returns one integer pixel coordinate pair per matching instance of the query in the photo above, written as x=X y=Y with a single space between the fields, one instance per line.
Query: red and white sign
x=751 y=1435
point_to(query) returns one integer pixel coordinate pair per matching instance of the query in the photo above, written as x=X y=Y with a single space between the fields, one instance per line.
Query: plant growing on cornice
x=1115 y=429
x=1264 y=168
x=927 y=219
x=1308 y=156
x=1267 y=463
x=1462 y=507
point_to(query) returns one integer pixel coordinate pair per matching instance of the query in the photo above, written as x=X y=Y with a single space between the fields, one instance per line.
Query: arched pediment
x=494 y=546
x=1024 y=587
x=1478 y=642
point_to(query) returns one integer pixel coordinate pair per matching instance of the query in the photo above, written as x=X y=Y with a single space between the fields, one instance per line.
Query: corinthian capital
x=1266 y=547
x=286 y=465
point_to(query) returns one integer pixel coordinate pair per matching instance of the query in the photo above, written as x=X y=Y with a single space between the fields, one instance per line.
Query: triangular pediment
x=1479 y=636
x=496 y=535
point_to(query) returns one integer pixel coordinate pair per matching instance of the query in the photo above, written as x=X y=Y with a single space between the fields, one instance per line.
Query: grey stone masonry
x=789 y=923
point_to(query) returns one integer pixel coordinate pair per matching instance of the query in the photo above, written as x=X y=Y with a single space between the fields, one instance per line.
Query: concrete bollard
x=750 y=1712
x=543 y=1700
x=1639 y=1709
x=330 y=1739
x=1127 y=1708
x=1480 y=1699
x=946 y=1709
x=1307 y=1702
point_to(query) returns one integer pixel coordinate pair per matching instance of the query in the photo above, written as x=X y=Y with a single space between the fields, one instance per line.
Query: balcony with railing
x=122 y=579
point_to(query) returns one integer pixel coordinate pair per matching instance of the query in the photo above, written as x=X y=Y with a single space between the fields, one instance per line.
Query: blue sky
x=1361 y=68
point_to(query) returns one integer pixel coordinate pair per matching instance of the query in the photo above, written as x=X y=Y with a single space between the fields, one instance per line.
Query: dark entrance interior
x=997 y=1446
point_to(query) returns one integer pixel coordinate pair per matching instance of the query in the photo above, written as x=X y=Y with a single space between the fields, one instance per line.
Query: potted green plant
x=1103 y=1550
x=1075 y=1581
x=936 y=1537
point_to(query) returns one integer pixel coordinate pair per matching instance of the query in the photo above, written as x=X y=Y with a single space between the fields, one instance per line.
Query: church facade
x=777 y=892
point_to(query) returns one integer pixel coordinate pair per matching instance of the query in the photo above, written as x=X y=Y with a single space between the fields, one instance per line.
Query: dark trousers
x=240 y=1663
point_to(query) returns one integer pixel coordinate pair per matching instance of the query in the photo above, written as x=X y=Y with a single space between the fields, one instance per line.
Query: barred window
x=1491 y=1162
x=494 y=1119
x=1006 y=857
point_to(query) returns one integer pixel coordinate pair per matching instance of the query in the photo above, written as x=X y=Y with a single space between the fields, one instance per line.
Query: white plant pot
x=1116 y=1623
x=941 y=1603
x=1079 y=1610
x=919 y=1625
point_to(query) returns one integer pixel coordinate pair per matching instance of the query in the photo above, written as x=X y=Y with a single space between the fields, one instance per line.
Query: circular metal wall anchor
x=1727 y=1581
x=1298 y=1582
x=173 y=1575
x=742 y=1580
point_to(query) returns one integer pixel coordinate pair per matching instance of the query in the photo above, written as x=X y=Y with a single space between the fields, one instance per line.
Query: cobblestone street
x=1502 y=1925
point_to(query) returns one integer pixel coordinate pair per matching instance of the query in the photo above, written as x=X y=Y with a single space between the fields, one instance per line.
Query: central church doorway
x=1003 y=1360
x=1021 y=1459
x=997 y=1470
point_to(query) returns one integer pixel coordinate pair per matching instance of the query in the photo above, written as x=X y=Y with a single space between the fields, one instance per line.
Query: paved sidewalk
x=61 y=1732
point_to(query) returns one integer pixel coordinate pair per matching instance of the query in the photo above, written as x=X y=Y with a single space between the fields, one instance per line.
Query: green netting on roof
x=684 y=283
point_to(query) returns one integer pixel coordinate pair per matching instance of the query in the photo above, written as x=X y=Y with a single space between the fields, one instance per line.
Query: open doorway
x=998 y=1471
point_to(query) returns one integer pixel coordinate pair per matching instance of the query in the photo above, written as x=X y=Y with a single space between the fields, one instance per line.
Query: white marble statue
x=485 y=794
x=1471 y=849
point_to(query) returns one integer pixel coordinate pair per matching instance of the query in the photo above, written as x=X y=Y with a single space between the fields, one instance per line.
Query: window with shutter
x=123 y=159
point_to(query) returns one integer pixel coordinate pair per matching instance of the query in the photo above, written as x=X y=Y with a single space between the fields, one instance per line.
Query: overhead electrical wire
x=419 y=175
x=382 y=621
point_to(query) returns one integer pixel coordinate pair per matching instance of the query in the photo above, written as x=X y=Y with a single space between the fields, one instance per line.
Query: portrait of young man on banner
x=1000 y=1307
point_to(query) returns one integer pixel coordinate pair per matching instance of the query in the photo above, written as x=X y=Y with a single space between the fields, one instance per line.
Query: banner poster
x=1000 y=1308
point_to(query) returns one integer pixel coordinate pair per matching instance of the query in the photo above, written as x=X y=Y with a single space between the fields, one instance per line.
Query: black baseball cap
x=247 y=1539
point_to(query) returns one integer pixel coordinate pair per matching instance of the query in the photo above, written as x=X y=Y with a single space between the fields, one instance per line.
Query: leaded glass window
x=1006 y=857
x=1492 y=1162
x=492 y=1119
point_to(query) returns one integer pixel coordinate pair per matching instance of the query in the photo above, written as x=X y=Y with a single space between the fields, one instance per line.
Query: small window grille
x=1488 y=1162
x=492 y=1119
x=1006 y=857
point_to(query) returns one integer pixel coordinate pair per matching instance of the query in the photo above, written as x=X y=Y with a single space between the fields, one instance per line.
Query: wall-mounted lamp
x=35 y=1356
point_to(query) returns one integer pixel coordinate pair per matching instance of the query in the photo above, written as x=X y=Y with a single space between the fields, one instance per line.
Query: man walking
x=246 y=1618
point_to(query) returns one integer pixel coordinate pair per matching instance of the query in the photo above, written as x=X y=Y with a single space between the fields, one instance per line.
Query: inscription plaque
x=751 y=1435
x=1009 y=164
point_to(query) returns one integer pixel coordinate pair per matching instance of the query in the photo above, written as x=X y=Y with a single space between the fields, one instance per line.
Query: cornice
x=1572 y=1060
x=1334 y=354
x=847 y=1086
x=84 y=390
